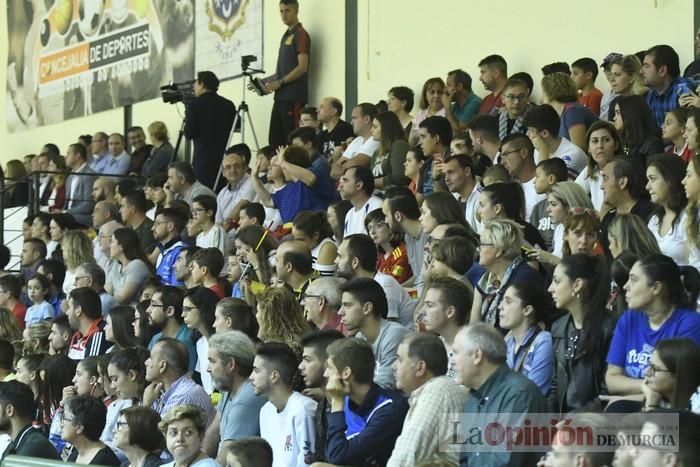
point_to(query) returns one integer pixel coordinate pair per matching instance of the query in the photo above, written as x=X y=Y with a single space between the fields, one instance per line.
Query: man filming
x=290 y=83
x=208 y=121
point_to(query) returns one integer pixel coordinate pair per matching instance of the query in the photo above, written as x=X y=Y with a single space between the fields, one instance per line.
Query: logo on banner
x=226 y=16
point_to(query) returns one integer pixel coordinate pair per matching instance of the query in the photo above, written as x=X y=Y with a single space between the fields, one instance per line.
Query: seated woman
x=529 y=347
x=660 y=308
x=313 y=229
x=430 y=104
x=119 y=328
x=184 y=427
x=500 y=253
x=138 y=437
x=17 y=193
x=603 y=143
x=625 y=80
x=28 y=372
x=391 y=249
x=285 y=327
x=581 y=229
x=400 y=101
x=198 y=314
x=673 y=375
x=335 y=214
x=131 y=266
x=628 y=232
x=162 y=151
x=83 y=422
x=667 y=224
x=388 y=161
x=452 y=257
x=559 y=91
x=581 y=337
x=255 y=265
x=412 y=168
x=640 y=135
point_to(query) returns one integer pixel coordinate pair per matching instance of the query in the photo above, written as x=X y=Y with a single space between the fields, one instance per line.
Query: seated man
x=360 y=151
x=516 y=100
x=365 y=420
x=459 y=101
x=85 y=317
x=239 y=187
x=336 y=131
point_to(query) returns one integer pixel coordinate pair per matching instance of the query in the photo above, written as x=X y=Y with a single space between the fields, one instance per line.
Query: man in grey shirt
x=364 y=309
x=231 y=355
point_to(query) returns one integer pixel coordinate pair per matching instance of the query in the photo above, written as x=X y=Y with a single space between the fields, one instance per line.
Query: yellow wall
x=408 y=41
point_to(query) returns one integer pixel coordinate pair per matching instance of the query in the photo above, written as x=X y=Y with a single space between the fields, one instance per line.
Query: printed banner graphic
x=71 y=58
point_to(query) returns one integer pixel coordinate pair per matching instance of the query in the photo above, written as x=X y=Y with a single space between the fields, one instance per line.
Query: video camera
x=246 y=60
x=173 y=93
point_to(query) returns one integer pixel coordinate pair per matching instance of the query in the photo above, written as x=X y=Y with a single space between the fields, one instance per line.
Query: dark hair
x=430 y=349
x=392 y=130
x=362 y=247
x=462 y=77
x=510 y=196
x=612 y=131
x=445 y=208
x=423 y=101
x=306 y=135
x=157 y=180
x=145 y=330
x=281 y=358
x=122 y=326
x=255 y=211
x=682 y=357
x=587 y=65
x=58 y=373
x=241 y=315
x=128 y=239
x=185 y=170
x=456 y=253
x=404 y=94
x=310 y=110
x=486 y=126
x=207 y=202
x=301 y=261
x=206 y=300
x=401 y=199
x=638 y=121
x=125 y=186
x=377 y=215
x=175 y=354
x=12 y=285
x=65 y=220
x=526 y=78
x=7 y=355
x=556 y=67
x=240 y=149
x=681 y=290
x=556 y=167
x=296 y=155
x=543 y=117
x=20 y=396
x=39 y=245
x=251 y=452
x=440 y=127
x=672 y=169
x=620 y=272
x=355 y=354
x=523 y=142
x=88 y=300
x=664 y=55
x=626 y=168
x=368 y=110
x=319 y=340
x=208 y=80
x=90 y=413
x=45 y=284
x=594 y=274
x=56 y=269
x=313 y=222
x=536 y=297
x=143 y=428
x=132 y=359
x=497 y=62
x=365 y=176
x=454 y=293
x=175 y=216
x=367 y=290
x=137 y=200
x=78 y=149
x=171 y=297
x=341 y=208
x=251 y=235
x=210 y=258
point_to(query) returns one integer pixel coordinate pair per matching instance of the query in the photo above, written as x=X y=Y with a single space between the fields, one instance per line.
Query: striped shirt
x=91 y=344
x=184 y=391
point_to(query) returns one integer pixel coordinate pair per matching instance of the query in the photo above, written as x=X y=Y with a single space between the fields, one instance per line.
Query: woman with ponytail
x=313 y=229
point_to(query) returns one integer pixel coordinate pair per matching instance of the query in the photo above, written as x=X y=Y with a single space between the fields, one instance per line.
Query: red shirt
x=19 y=310
x=218 y=289
x=489 y=102
x=592 y=100
x=336 y=324
x=396 y=264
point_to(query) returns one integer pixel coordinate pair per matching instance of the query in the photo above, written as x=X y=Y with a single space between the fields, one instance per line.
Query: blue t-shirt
x=184 y=335
x=293 y=198
x=324 y=187
x=633 y=340
x=575 y=114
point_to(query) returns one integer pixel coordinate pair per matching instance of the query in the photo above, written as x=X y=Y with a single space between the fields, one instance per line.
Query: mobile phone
x=683 y=88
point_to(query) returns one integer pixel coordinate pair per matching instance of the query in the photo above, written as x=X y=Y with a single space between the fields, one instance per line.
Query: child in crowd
x=584 y=72
x=60 y=335
x=548 y=173
x=207 y=264
x=673 y=132
x=203 y=212
x=38 y=289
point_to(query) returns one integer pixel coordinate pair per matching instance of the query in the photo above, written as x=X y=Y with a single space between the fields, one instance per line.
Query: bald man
x=295 y=266
x=103 y=189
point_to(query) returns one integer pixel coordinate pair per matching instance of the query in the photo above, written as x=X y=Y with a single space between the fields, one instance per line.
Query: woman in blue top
x=660 y=308
x=529 y=347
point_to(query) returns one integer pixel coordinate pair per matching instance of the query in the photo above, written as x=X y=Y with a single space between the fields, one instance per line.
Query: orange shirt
x=592 y=101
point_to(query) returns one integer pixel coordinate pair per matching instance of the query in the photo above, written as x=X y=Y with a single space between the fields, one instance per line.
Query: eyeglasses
x=304 y=296
x=121 y=425
x=199 y=210
x=653 y=369
x=77 y=278
x=511 y=152
x=486 y=243
x=518 y=97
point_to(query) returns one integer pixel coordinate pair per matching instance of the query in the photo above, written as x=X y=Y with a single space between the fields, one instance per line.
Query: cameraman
x=290 y=83
x=208 y=121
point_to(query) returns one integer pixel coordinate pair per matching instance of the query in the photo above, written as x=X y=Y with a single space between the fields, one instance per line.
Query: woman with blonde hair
x=430 y=104
x=162 y=151
x=186 y=421
x=9 y=329
x=77 y=249
x=625 y=78
x=628 y=232
x=36 y=338
x=581 y=230
x=559 y=91
x=281 y=318
x=16 y=194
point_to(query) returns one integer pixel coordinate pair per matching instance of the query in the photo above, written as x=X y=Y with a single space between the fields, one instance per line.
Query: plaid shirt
x=418 y=440
x=660 y=104
x=184 y=391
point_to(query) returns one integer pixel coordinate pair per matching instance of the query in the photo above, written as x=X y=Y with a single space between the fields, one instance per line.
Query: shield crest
x=226 y=16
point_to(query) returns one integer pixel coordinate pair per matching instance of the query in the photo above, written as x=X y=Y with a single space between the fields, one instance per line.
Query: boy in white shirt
x=203 y=212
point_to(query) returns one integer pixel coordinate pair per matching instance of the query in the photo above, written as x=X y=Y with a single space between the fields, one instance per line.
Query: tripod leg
x=252 y=130
x=236 y=119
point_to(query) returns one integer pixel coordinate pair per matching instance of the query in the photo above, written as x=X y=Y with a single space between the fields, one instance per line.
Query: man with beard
x=357 y=257
x=85 y=318
x=182 y=266
x=460 y=103
x=139 y=149
x=16 y=412
x=165 y=313
x=493 y=73
x=103 y=189
x=166 y=232
x=231 y=355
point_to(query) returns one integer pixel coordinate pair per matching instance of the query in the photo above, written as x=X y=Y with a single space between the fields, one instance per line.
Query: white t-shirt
x=355 y=218
x=531 y=196
x=202 y=366
x=215 y=238
x=572 y=155
x=291 y=433
x=674 y=244
x=359 y=145
x=592 y=186
x=472 y=205
x=400 y=304
x=558 y=241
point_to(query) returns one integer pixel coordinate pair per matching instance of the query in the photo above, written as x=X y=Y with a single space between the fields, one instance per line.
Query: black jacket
x=579 y=381
x=32 y=443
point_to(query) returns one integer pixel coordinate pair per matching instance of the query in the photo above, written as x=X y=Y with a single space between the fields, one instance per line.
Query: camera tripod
x=242 y=113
